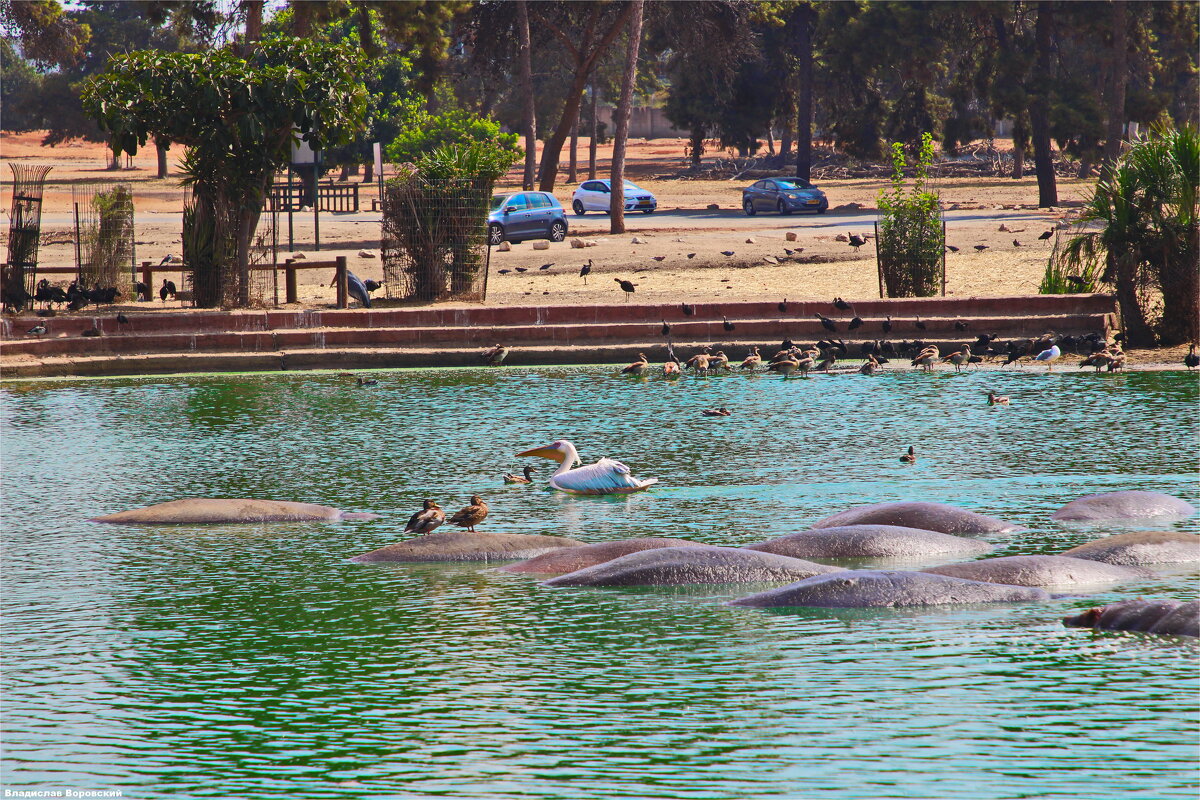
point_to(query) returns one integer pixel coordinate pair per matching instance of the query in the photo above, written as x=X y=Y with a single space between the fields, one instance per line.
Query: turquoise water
x=251 y=662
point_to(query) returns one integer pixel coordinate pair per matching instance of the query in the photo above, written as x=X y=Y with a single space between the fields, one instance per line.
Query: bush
x=912 y=241
x=424 y=133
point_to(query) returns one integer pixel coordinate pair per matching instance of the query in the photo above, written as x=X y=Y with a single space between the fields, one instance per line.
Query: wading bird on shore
x=1049 y=356
x=495 y=356
x=606 y=476
x=638 y=367
x=857 y=241
x=1191 y=360
x=628 y=287
x=585 y=270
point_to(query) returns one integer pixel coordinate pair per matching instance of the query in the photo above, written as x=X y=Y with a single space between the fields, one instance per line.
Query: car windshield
x=633 y=186
x=498 y=200
x=785 y=184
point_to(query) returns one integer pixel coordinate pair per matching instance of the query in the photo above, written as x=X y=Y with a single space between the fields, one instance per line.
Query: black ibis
x=585 y=270
x=627 y=287
x=887 y=324
x=726 y=323
x=827 y=323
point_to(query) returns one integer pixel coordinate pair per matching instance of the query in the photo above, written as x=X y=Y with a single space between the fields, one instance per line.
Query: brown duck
x=470 y=516
x=425 y=520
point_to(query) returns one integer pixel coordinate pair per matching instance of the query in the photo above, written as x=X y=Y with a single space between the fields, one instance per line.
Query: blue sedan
x=784 y=195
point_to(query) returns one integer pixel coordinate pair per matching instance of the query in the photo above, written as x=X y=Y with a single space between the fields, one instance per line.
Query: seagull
x=727 y=252
x=1046 y=235
x=627 y=287
x=1049 y=355
x=979 y=248
x=584 y=270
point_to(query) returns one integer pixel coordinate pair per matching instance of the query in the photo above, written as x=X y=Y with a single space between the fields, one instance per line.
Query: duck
x=424 y=521
x=869 y=367
x=699 y=362
x=959 y=357
x=719 y=361
x=996 y=399
x=785 y=366
x=926 y=358
x=367 y=381
x=1191 y=360
x=717 y=412
x=638 y=367
x=671 y=369
x=470 y=516
x=752 y=360
x=911 y=456
x=495 y=356
x=526 y=477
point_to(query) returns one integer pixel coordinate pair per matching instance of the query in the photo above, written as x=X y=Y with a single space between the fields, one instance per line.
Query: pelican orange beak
x=544 y=452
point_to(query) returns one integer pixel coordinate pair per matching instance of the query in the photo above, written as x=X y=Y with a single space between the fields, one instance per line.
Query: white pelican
x=606 y=476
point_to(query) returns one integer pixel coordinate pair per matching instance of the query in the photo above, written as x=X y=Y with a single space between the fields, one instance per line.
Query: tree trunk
x=254 y=15
x=114 y=161
x=162 y=158
x=552 y=150
x=573 y=171
x=616 y=201
x=1133 y=319
x=302 y=19
x=1039 y=110
x=804 y=104
x=1118 y=74
x=770 y=140
x=1018 y=170
x=785 y=138
x=1020 y=137
x=525 y=86
x=592 y=143
x=697 y=146
x=369 y=171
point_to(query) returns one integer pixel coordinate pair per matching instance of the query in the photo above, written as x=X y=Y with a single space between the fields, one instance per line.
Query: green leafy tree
x=237 y=116
x=1143 y=224
x=422 y=132
x=911 y=239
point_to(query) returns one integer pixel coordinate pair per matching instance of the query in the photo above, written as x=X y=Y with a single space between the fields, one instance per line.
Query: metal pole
x=78 y=252
x=291 y=241
x=878 y=265
x=943 y=258
x=316 y=165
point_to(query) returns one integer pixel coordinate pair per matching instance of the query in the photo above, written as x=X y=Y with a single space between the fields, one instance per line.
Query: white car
x=595 y=196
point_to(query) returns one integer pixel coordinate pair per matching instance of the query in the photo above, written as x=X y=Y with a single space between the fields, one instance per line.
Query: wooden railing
x=289 y=267
x=330 y=196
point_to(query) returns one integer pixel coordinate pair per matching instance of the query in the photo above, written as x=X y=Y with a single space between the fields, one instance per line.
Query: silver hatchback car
x=596 y=195
x=526 y=215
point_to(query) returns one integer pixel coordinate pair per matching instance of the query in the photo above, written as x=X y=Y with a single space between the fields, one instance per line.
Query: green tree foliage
x=422 y=133
x=1142 y=223
x=911 y=239
x=238 y=117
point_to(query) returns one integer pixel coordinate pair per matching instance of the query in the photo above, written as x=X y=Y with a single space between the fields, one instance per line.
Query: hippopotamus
x=871 y=541
x=569 y=559
x=1141 y=547
x=466 y=546
x=926 y=516
x=887 y=589
x=1041 y=571
x=211 y=511
x=680 y=566
x=1166 y=617
x=1127 y=505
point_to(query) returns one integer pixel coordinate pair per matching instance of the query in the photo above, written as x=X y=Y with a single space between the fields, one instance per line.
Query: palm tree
x=1142 y=219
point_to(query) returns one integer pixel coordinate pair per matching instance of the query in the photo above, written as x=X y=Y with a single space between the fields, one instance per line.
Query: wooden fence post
x=289 y=281
x=343 y=292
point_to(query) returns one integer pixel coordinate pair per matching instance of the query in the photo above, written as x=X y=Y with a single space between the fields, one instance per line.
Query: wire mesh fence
x=24 y=229
x=435 y=238
x=105 y=255
x=213 y=277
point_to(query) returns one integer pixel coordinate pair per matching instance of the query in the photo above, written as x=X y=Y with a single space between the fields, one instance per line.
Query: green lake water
x=256 y=661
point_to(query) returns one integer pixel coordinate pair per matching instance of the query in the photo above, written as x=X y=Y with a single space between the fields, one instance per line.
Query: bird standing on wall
x=726 y=323
x=827 y=323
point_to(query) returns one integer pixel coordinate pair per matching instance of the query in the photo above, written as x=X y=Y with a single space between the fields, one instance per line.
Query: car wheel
x=578 y=208
x=822 y=209
x=748 y=205
x=558 y=231
x=782 y=208
x=495 y=233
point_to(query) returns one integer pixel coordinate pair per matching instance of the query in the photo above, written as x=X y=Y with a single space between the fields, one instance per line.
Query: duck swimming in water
x=997 y=400
x=527 y=478
x=911 y=456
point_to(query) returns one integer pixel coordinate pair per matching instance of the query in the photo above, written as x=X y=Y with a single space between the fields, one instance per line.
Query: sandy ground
x=820 y=267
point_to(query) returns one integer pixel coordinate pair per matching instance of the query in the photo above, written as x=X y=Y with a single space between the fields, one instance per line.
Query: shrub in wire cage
x=435 y=223
x=912 y=243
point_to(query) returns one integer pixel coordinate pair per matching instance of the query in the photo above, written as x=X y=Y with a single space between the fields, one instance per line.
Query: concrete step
x=126 y=339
